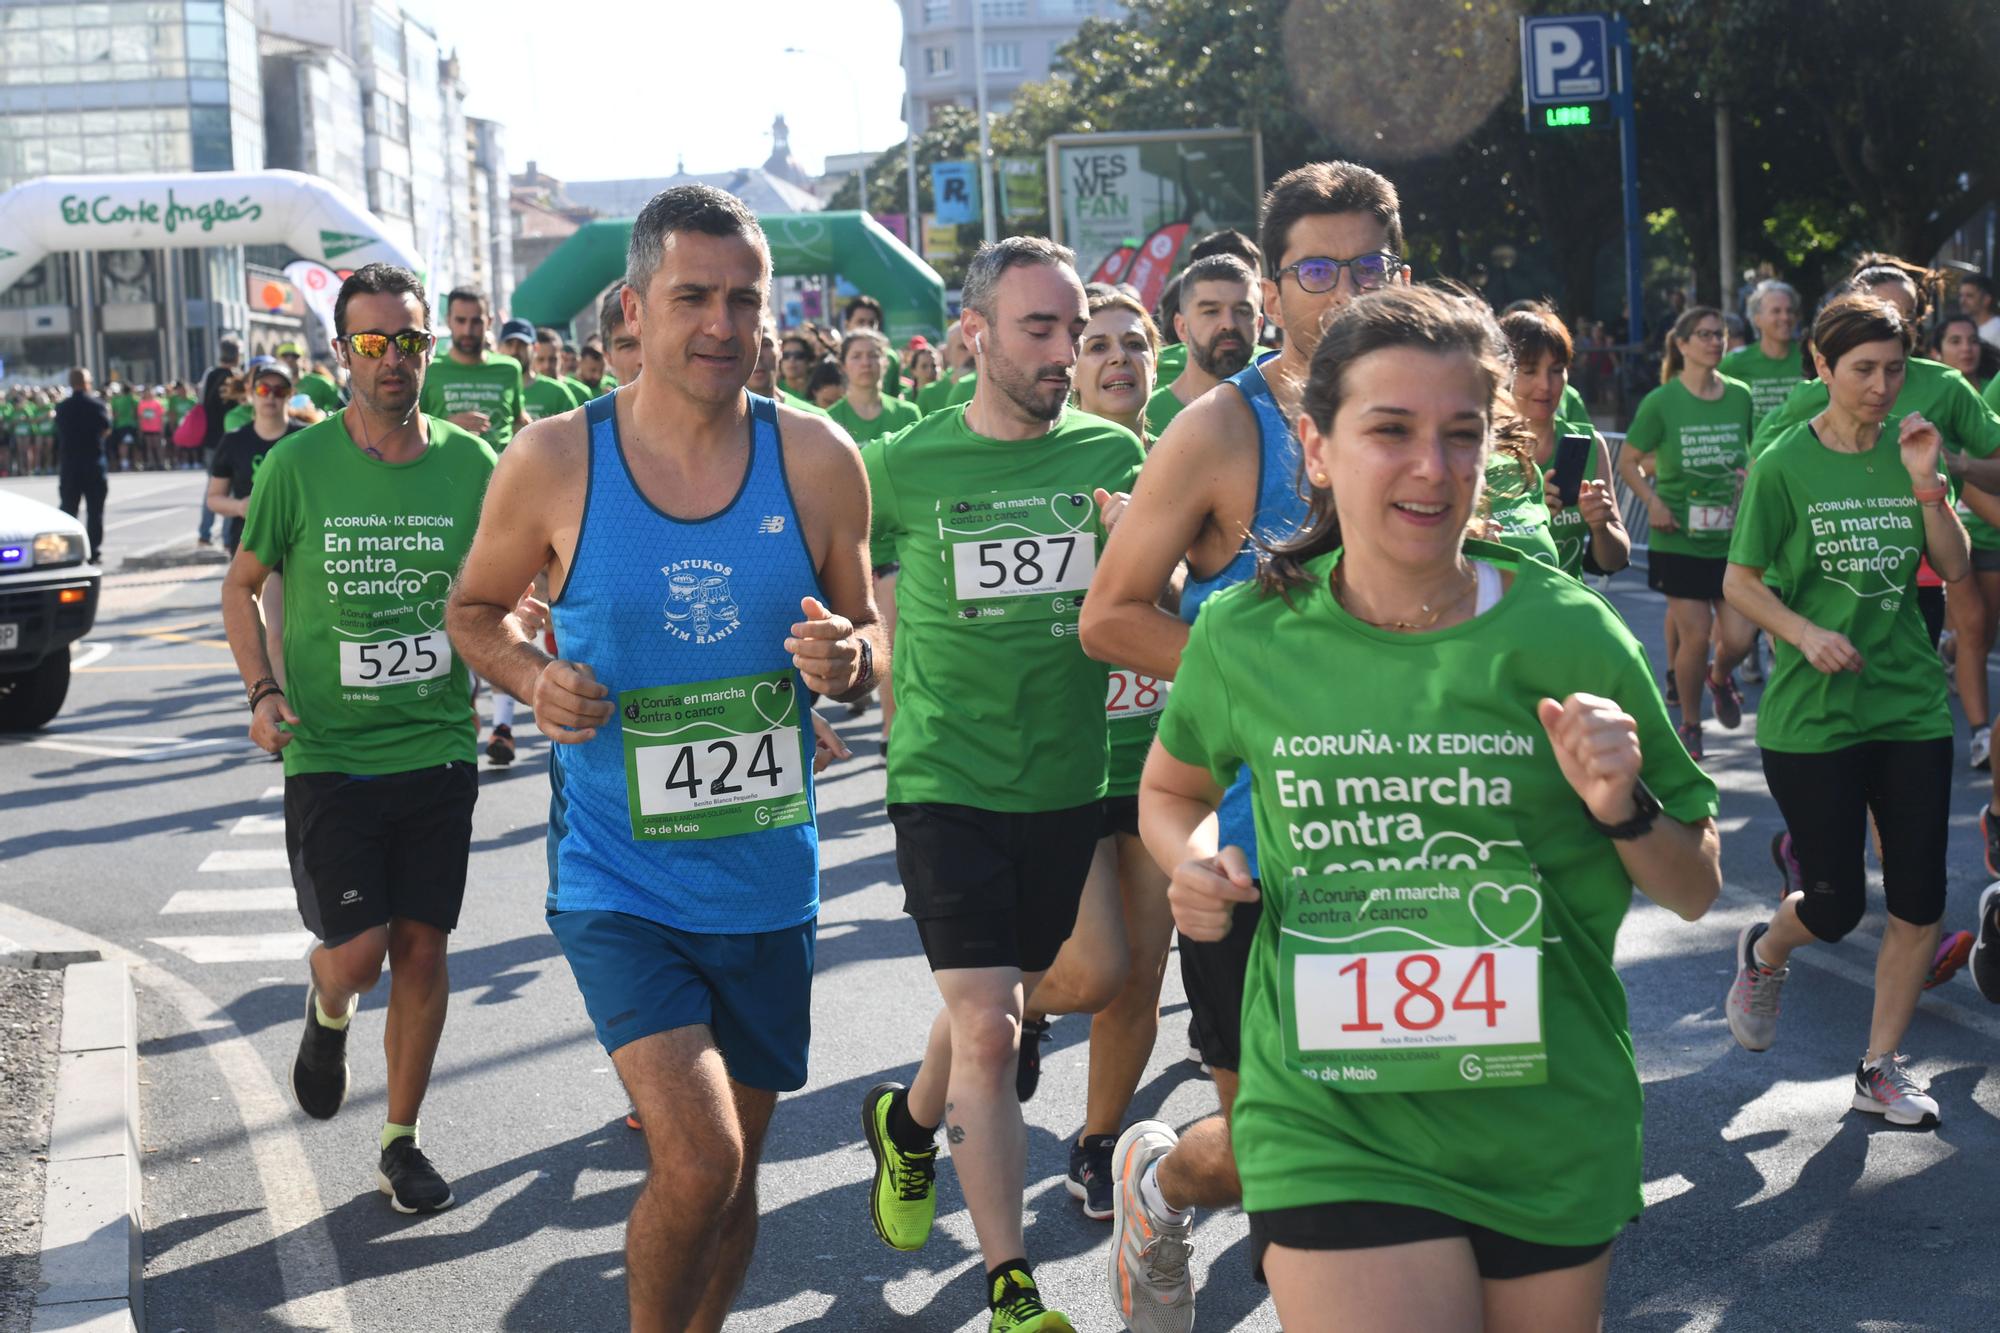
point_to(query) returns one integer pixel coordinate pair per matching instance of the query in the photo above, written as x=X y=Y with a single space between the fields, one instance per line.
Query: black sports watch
x=1646 y=810
x=866 y=674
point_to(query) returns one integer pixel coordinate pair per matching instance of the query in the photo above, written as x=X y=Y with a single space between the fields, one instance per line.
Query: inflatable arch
x=852 y=245
x=183 y=210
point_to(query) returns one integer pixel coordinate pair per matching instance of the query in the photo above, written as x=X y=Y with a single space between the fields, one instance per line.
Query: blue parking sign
x=1565 y=59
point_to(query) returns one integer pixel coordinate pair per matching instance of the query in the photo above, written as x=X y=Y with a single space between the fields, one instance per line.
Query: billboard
x=1128 y=203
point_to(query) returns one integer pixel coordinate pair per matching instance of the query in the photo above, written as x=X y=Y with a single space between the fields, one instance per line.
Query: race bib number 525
x=383 y=662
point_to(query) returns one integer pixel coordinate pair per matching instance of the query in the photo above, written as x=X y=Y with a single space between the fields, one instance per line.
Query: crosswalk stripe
x=260 y=858
x=273 y=794
x=253 y=825
x=230 y=900
x=290 y=944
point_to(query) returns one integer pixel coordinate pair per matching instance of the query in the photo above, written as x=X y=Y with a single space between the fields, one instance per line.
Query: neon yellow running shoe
x=903 y=1202
x=1017 y=1307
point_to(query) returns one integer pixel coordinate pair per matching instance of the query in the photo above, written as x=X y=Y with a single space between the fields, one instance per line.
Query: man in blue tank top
x=1226 y=468
x=707 y=557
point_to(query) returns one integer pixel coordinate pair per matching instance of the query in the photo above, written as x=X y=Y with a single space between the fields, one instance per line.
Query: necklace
x=1434 y=615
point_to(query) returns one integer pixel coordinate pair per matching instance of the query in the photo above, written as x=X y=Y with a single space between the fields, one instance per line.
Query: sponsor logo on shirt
x=700 y=608
x=772 y=523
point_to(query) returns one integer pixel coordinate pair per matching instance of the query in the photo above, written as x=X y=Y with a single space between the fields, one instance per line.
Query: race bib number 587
x=1020 y=555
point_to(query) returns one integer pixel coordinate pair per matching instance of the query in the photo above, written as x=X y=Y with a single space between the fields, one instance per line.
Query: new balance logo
x=772 y=523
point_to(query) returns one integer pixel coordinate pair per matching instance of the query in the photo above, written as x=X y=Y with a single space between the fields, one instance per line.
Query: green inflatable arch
x=851 y=245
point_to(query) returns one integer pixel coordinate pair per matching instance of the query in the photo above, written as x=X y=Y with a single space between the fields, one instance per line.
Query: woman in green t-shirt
x=1972 y=605
x=1591 y=536
x=1116 y=955
x=1451 y=816
x=1854 y=722
x=1694 y=430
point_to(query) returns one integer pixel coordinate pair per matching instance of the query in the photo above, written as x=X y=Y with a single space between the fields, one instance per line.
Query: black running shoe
x=1728 y=701
x=1986 y=945
x=500 y=749
x=319 y=1072
x=1028 y=1073
x=1989 y=832
x=1673 y=691
x=1089 y=1178
x=408 y=1178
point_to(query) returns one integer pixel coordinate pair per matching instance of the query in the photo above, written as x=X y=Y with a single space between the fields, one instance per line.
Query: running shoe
x=903 y=1201
x=1089 y=1178
x=1980 y=752
x=501 y=748
x=1986 y=950
x=1789 y=876
x=1989 y=832
x=1017 y=1307
x=1691 y=738
x=1952 y=951
x=1887 y=1089
x=1673 y=690
x=408 y=1178
x=1150 y=1284
x=1728 y=702
x=632 y=1119
x=1752 y=1006
x=319 y=1071
x=1028 y=1068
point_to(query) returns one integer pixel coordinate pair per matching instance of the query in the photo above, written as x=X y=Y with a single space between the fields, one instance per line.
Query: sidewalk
x=30 y=1026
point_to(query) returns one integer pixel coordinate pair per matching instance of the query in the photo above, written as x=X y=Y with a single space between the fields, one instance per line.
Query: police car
x=48 y=599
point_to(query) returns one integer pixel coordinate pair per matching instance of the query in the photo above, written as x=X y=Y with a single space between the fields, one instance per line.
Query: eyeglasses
x=375 y=346
x=796 y=356
x=267 y=389
x=1707 y=335
x=1318 y=274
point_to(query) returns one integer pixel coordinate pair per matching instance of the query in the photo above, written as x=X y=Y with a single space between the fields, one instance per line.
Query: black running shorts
x=1214 y=975
x=990 y=889
x=1365 y=1226
x=366 y=849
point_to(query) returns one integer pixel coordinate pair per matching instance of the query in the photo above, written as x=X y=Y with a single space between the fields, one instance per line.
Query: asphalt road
x=144 y=817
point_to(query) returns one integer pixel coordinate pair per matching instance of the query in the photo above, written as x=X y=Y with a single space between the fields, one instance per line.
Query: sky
x=615 y=89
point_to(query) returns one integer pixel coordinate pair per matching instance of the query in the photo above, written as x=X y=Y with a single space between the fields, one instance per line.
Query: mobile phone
x=1572 y=452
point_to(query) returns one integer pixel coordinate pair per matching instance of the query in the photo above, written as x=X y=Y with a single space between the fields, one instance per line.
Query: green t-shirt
x=1567 y=529
x=932 y=397
x=493 y=387
x=579 y=388
x=237 y=417
x=894 y=416
x=124 y=410
x=1838 y=537
x=1171 y=361
x=1162 y=408
x=177 y=409
x=1945 y=398
x=1770 y=381
x=325 y=394
x=1517 y=507
x=370 y=550
x=544 y=397
x=1429 y=767
x=997 y=706
x=892 y=375
x=41 y=419
x=962 y=389
x=790 y=399
x=1573 y=415
x=1703 y=448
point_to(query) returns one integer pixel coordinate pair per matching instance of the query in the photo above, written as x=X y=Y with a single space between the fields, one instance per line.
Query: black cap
x=517 y=328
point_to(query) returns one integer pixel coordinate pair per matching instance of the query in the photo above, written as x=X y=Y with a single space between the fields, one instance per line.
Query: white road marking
x=254 y=825
x=287 y=944
x=1670 y=1187
x=276 y=793
x=260 y=858
x=307 y=1261
x=230 y=900
x=136 y=751
x=92 y=654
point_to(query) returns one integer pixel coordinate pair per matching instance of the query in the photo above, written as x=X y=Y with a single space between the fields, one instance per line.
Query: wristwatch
x=1645 y=810
x=866 y=672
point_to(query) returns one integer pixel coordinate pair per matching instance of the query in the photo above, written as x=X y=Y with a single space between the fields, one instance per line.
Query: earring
x=1319 y=478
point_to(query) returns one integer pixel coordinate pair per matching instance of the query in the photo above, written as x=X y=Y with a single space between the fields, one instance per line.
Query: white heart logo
x=431 y=613
x=1506 y=892
x=779 y=690
x=1062 y=500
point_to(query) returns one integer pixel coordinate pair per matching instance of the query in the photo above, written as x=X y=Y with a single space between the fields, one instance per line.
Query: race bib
x=1133 y=695
x=1712 y=508
x=1020 y=555
x=382 y=662
x=1414 y=981
x=713 y=759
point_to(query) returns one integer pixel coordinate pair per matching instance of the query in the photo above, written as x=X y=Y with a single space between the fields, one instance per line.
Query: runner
x=540 y=396
x=863 y=411
x=865 y=312
x=1226 y=468
x=1228 y=241
x=1854 y=723
x=1219 y=319
x=473 y=388
x=622 y=353
x=826 y=385
x=956 y=363
x=315 y=383
x=1589 y=536
x=997 y=772
x=1398 y=1195
x=1770 y=367
x=591 y=370
x=1971 y=603
x=1113 y=962
x=375 y=720
x=152 y=427
x=687 y=916
x=1976 y=298
x=1695 y=432
x=124 y=404
x=232 y=476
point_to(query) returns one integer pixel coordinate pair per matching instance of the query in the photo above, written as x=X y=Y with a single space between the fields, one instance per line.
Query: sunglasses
x=796 y=356
x=375 y=346
x=1318 y=274
x=268 y=389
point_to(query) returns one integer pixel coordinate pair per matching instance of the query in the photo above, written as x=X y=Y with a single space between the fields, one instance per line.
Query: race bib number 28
x=715 y=758
x=1020 y=555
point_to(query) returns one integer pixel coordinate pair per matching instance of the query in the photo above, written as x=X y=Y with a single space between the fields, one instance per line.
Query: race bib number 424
x=716 y=758
x=1020 y=555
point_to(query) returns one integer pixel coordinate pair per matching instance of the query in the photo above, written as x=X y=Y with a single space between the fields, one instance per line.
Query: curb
x=92 y=1257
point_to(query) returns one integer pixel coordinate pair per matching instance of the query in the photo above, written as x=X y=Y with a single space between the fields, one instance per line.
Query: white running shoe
x=1981 y=749
x=1752 y=1006
x=1150 y=1283
x=1887 y=1089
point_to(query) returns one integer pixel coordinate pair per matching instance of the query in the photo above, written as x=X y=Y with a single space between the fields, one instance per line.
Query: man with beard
x=540 y=395
x=375 y=717
x=472 y=388
x=1220 y=316
x=999 y=757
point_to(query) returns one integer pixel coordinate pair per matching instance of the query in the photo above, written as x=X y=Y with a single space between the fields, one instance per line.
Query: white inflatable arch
x=183 y=210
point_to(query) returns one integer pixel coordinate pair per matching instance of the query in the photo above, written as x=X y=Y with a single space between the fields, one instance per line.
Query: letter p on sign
x=1556 y=48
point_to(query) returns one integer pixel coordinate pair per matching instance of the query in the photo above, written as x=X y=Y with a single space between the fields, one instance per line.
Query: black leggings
x=1825 y=800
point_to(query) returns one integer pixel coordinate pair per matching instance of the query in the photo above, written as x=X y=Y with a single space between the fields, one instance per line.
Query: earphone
x=978 y=345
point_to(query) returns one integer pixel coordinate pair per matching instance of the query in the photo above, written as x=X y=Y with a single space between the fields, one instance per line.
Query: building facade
x=1018 y=45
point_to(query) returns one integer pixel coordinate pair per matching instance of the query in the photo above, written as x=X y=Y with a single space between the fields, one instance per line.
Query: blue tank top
x=1281 y=511
x=693 y=806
